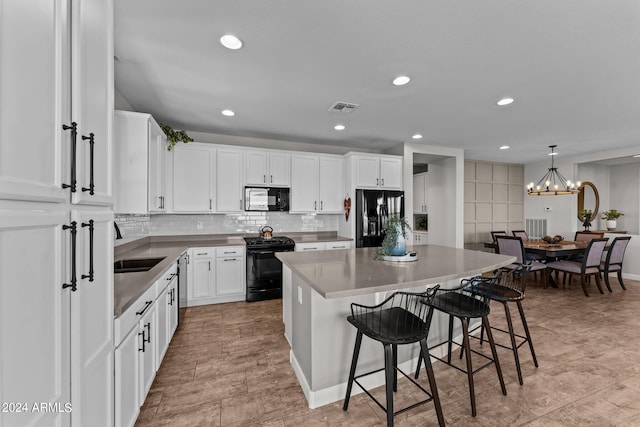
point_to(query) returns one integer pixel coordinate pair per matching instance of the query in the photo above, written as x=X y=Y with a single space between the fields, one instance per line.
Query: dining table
x=551 y=251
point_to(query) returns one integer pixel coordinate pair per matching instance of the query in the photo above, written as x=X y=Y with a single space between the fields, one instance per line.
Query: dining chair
x=585 y=236
x=613 y=261
x=589 y=266
x=494 y=234
x=497 y=233
x=525 y=238
x=510 y=245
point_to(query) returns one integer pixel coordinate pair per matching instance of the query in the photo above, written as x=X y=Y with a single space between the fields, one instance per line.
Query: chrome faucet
x=118 y=234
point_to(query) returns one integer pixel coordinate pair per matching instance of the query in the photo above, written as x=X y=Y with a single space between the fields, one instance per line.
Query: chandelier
x=553 y=183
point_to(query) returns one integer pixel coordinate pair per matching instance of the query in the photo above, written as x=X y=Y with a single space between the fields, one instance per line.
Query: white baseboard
x=216 y=300
x=318 y=398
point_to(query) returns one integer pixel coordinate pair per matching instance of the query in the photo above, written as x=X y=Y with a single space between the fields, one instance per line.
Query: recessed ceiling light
x=553 y=153
x=504 y=147
x=505 y=101
x=401 y=80
x=228 y=113
x=637 y=155
x=417 y=136
x=231 y=42
x=339 y=127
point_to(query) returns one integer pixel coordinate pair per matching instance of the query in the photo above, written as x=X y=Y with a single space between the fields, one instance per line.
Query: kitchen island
x=318 y=288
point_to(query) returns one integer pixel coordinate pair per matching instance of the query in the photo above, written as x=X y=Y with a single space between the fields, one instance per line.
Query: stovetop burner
x=274 y=241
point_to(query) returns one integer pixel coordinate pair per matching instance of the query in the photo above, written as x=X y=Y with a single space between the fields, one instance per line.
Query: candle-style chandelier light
x=553 y=183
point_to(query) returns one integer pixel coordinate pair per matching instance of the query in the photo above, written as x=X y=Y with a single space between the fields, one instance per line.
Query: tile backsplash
x=136 y=226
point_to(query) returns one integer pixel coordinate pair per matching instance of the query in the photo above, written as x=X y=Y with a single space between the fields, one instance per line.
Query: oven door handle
x=261 y=252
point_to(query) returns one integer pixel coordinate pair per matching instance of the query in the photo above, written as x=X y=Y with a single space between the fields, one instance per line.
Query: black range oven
x=264 y=270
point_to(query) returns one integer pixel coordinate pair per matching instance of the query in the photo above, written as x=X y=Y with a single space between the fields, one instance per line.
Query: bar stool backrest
x=403 y=317
x=508 y=245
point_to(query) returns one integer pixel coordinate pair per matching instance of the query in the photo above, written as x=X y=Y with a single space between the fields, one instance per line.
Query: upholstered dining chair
x=613 y=261
x=494 y=234
x=521 y=234
x=525 y=238
x=589 y=266
x=510 y=245
x=585 y=236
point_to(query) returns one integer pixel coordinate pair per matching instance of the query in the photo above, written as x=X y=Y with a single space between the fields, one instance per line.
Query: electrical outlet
x=199 y=225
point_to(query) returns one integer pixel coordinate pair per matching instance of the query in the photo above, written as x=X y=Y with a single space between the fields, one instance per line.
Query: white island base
x=318 y=289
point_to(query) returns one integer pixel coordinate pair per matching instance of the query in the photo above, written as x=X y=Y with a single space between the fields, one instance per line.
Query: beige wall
x=493 y=199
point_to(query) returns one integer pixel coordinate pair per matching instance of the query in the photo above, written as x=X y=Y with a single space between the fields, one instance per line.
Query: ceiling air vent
x=343 y=107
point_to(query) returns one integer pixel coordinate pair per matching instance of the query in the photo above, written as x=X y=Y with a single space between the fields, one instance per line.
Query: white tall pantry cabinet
x=56 y=221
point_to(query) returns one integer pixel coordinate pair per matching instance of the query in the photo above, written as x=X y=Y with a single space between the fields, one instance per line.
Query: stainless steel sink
x=135 y=265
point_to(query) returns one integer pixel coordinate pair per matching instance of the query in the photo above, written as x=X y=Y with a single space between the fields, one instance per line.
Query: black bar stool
x=403 y=318
x=510 y=287
x=463 y=304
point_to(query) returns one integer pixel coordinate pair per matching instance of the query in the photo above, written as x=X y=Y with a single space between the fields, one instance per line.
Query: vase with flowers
x=394 y=243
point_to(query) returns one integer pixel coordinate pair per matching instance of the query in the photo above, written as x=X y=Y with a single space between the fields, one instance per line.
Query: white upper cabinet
x=378 y=171
x=193 y=178
x=141 y=164
x=158 y=168
x=331 y=184
x=317 y=183
x=92 y=99
x=420 y=185
x=45 y=153
x=267 y=168
x=229 y=174
x=304 y=183
x=33 y=105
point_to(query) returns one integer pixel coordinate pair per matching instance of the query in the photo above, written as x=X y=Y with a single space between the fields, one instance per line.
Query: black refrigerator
x=373 y=208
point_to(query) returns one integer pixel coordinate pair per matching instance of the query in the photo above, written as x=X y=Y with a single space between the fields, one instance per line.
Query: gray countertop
x=128 y=287
x=349 y=272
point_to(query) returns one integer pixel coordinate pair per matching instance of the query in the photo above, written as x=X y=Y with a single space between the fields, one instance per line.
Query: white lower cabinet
x=127 y=384
x=147 y=335
x=216 y=274
x=142 y=335
x=322 y=246
x=420 y=238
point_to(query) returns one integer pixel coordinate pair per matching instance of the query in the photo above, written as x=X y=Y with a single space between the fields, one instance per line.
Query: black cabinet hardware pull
x=143 y=341
x=91 y=187
x=74 y=278
x=90 y=275
x=74 y=137
x=148 y=326
x=146 y=305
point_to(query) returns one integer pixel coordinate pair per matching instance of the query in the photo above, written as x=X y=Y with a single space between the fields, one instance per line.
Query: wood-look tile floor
x=228 y=365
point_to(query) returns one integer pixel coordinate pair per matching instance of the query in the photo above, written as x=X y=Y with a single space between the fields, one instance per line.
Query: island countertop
x=350 y=272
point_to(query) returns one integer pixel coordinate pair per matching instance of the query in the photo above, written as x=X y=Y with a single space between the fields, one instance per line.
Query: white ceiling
x=573 y=67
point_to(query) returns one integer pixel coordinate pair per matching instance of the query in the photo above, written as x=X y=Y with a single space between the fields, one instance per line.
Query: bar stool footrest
x=399 y=411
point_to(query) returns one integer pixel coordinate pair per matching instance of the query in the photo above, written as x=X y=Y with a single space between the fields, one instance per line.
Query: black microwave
x=266 y=199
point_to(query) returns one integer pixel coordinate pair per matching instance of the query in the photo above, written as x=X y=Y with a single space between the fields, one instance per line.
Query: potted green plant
x=394 y=243
x=611 y=216
x=174 y=136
